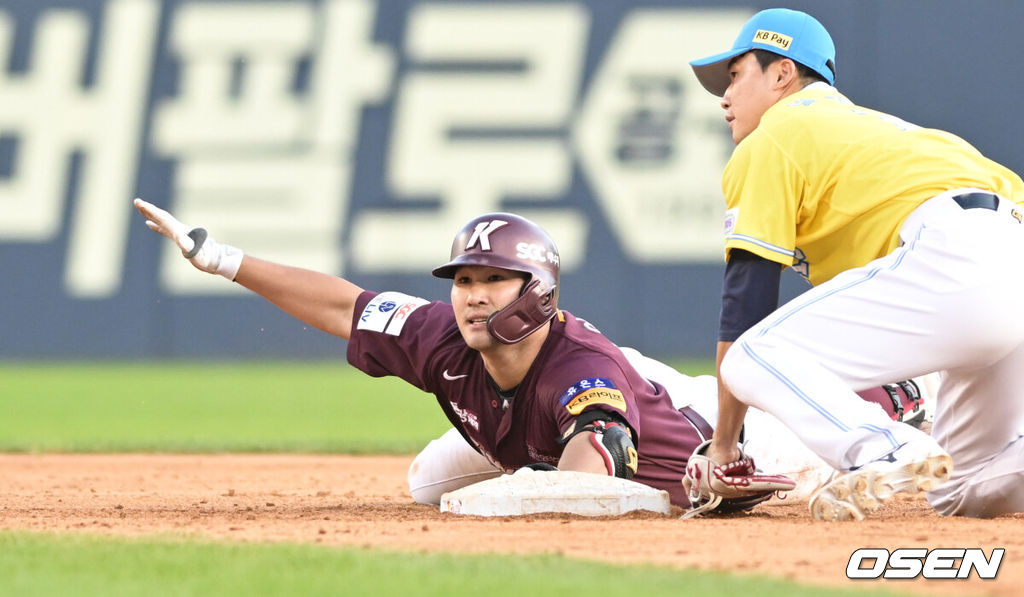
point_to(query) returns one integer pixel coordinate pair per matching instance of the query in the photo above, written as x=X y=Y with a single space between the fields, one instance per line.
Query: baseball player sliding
x=912 y=240
x=522 y=382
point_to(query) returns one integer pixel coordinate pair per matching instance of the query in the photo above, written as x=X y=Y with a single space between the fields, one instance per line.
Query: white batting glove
x=197 y=246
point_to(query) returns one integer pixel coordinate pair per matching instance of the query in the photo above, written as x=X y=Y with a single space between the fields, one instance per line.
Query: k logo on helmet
x=482 y=234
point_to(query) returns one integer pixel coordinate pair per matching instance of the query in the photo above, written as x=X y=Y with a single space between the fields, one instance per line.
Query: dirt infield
x=364 y=502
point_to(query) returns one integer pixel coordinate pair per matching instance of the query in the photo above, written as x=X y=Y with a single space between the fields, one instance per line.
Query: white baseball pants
x=947 y=300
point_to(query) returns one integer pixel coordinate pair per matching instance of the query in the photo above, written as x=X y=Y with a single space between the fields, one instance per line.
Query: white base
x=534 y=492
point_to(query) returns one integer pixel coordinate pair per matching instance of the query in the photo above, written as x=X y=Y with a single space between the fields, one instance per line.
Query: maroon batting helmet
x=511 y=242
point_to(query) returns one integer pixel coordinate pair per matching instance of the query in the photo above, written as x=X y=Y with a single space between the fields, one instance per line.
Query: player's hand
x=723 y=452
x=728 y=485
x=197 y=246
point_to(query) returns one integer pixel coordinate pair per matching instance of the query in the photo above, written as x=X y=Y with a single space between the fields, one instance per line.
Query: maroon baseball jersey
x=577 y=370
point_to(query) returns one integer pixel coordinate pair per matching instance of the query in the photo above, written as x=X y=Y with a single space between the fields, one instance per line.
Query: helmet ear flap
x=525 y=315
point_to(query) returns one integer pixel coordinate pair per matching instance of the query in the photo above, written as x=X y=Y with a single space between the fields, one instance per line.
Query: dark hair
x=766 y=59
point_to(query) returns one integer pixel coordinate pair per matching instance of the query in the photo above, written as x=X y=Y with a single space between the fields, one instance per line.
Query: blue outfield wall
x=356 y=136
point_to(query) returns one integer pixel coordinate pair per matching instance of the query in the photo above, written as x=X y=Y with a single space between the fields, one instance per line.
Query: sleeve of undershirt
x=750 y=291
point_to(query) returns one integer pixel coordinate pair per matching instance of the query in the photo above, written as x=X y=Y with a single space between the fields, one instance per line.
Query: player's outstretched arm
x=323 y=301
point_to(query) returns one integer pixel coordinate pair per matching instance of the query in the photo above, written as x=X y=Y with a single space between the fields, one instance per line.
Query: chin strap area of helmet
x=523 y=316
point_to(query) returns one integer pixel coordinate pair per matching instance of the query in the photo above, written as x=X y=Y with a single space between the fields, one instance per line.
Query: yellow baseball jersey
x=823 y=185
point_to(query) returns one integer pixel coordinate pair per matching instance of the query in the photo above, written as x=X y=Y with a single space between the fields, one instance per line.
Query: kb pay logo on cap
x=772 y=38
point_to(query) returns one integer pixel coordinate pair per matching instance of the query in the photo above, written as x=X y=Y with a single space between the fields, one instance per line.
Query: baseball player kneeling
x=912 y=241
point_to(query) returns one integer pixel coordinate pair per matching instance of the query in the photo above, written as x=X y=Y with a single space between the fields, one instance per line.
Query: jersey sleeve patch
x=388 y=311
x=593 y=390
x=730 y=220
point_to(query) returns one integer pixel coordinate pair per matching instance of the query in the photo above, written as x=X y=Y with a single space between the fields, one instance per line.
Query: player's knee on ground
x=992 y=491
x=446 y=464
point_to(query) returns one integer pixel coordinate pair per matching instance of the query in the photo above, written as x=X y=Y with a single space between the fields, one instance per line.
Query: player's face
x=477 y=292
x=751 y=92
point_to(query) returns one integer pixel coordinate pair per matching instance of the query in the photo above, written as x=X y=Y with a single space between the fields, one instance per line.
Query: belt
x=702 y=426
x=977 y=201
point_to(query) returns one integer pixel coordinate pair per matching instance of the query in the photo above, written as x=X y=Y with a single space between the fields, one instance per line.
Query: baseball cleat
x=854 y=495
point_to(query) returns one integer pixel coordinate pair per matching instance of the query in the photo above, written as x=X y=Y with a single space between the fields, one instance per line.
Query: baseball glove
x=728 y=487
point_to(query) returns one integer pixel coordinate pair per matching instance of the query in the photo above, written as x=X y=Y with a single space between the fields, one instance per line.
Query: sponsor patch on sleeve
x=593 y=390
x=730 y=220
x=388 y=311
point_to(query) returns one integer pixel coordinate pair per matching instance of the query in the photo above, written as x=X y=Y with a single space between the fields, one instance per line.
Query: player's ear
x=785 y=73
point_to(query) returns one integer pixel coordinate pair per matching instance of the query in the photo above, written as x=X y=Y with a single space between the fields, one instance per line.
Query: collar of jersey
x=819 y=85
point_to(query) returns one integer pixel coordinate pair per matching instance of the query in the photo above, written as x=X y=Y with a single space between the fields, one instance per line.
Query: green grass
x=82 y=565
x=224 y=407
x=237 y=407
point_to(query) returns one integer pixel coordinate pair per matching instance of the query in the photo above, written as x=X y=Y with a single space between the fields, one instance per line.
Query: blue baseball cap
x=790 y=33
